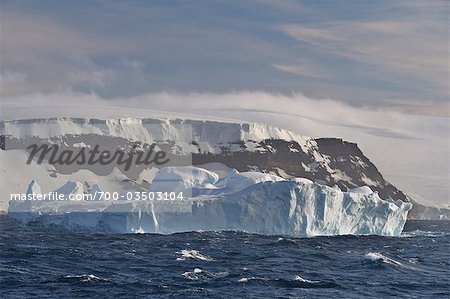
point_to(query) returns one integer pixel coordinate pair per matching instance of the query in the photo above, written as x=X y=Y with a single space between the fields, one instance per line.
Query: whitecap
x=193 y=254
x=421 y=233
x=247 y=279
x=140 y=230
x=85 y=278
x=301 y=279
x=376 y=256
x=198 y=273
x=193 y=275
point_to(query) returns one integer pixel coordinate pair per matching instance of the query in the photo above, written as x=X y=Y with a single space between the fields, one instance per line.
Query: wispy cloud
x=415 y=49
x=414 y=106
x=302 y=70
x=382 y=51
x=50 y=56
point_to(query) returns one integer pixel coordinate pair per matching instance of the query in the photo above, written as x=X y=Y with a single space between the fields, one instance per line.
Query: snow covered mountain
x=245 y=147
x=212 y=145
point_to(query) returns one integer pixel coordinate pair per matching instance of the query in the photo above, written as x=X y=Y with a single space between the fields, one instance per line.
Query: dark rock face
x=329 y=161
x=2 y=142
x=347 y=157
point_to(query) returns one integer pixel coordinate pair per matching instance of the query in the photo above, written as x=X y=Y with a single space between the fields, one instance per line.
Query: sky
x=372 y=72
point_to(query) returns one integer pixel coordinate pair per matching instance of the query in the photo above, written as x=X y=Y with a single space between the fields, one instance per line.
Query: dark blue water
x=51 y=263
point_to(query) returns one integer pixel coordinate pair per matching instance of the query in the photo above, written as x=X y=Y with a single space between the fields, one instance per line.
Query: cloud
x=309 y=35
x=416 y=49
x=302 y=70
x=151 y=47
x=50 y=56
x=386 y=51
x=12 y=81
x=287 y=6
x=413 y=106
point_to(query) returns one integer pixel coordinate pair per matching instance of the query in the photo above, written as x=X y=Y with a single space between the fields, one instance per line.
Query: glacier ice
x=210 y=135
x=178 y=179
x=34 y=188
x=250 y=201
x=71 y=187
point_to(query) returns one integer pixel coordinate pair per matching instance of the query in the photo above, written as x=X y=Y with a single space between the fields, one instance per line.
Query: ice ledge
x=135 y=128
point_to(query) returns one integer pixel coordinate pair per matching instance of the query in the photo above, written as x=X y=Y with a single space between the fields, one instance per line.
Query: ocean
x=53 y=263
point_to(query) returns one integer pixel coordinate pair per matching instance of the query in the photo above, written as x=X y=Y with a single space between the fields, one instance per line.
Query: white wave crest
x=301 y=279
x=376 y=256
x=85 y=277
x=193 y=254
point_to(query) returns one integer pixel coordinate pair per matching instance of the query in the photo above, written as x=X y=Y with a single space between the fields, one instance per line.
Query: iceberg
x=70 y=188
x=183 y=179
x=248 y=201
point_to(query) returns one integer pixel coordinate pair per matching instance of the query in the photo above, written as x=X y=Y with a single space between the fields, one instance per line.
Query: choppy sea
x=52 y=263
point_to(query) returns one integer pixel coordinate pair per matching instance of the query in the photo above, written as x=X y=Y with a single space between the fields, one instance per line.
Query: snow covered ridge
x=250 y=201
x=143 y=129
x=253 y=146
